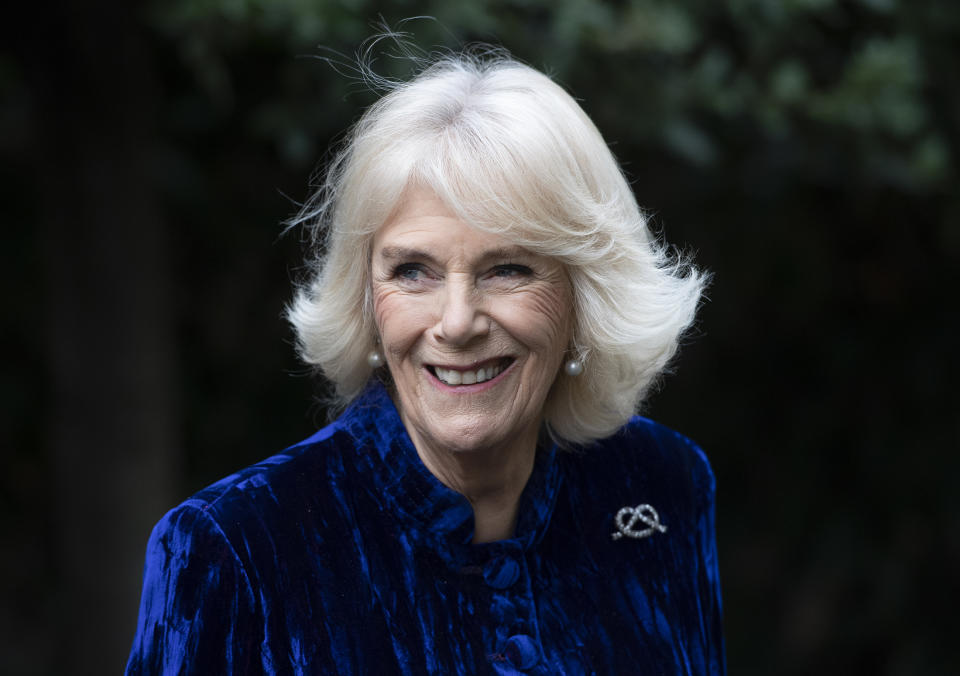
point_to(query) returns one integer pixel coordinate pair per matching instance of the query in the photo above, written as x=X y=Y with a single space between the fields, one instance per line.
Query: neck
x=492 y=479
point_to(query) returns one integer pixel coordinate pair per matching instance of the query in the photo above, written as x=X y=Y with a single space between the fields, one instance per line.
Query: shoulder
x=267 y=500
x=306 y=493
x=659 y=448
x=646 y=441
x=220 y=564
x=646 y=458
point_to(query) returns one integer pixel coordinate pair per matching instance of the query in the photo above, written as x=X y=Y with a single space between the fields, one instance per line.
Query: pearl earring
x=375 y=359
x=573 y=367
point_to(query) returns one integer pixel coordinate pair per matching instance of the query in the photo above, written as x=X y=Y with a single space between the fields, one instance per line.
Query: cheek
x=544 y=319
x=382 y=300
x=400 y=319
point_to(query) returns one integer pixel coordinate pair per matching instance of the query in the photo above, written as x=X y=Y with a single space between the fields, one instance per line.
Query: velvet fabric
x=345 y=555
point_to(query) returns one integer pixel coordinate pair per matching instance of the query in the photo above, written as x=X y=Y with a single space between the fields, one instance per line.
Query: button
x=521 y=651
x=501 y=572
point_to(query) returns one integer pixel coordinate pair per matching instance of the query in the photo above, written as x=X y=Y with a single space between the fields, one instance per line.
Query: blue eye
x=408 y=271
x=512 y=270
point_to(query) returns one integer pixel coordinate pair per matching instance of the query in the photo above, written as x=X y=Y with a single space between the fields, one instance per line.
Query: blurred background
x=805 y=151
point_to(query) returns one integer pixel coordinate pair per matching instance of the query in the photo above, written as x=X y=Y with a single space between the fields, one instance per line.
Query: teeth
x=451 y=377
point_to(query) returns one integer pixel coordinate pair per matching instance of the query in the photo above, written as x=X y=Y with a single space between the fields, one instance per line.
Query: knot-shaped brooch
x=627 y=518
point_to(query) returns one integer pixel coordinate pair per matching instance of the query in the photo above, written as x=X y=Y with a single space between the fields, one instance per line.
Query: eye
x=407 y=271
x=410 y=272
x=511 y=271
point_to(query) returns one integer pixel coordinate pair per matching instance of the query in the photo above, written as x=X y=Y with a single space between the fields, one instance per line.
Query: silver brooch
x=628 y=517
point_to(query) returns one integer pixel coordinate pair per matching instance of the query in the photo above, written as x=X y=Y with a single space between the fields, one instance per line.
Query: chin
x=466 y=433
x=468 y=440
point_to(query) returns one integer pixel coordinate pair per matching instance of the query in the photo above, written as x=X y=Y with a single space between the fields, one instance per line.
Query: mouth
x=472 y=375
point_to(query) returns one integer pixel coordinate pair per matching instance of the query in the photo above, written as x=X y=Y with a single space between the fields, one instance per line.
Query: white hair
x=510 y=152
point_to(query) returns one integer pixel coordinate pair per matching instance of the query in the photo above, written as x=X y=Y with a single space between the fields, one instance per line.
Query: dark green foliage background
x=805 y=151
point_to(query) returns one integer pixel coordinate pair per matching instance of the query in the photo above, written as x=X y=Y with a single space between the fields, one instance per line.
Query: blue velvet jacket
x=345 y=555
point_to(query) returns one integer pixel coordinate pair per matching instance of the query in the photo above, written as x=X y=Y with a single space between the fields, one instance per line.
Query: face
x=473 y=328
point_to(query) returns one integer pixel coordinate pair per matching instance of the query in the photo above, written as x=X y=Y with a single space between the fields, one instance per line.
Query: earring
x=375 y=359
x=573 y=367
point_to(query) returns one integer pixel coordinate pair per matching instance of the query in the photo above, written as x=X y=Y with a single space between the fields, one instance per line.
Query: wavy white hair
x=510 y=152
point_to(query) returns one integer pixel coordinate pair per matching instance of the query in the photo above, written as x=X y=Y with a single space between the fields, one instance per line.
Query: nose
x=461 y=317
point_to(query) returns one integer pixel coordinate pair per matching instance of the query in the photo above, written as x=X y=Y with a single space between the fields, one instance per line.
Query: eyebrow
x=404 y=253
x=407 y=253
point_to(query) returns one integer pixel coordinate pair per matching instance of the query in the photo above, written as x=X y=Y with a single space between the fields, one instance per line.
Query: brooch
x=628 y=517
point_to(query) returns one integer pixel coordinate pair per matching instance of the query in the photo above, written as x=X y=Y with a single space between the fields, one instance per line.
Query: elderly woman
x=491 y=308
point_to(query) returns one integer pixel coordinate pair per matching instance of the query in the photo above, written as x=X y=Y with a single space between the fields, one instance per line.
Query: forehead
x=423 y=221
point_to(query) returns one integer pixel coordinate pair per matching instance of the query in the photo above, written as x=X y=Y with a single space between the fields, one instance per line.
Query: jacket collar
x=430 y=513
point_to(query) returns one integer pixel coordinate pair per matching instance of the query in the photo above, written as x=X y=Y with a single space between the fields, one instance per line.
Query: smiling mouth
x=454 y=377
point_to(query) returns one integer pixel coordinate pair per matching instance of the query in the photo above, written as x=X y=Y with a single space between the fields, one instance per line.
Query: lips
x=454 y=376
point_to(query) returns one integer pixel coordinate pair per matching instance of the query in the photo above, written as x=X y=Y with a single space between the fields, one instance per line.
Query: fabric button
x=501 y=572
x=521 y=651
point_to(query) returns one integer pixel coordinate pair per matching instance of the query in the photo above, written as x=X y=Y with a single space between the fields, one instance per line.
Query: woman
x=490 y=307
